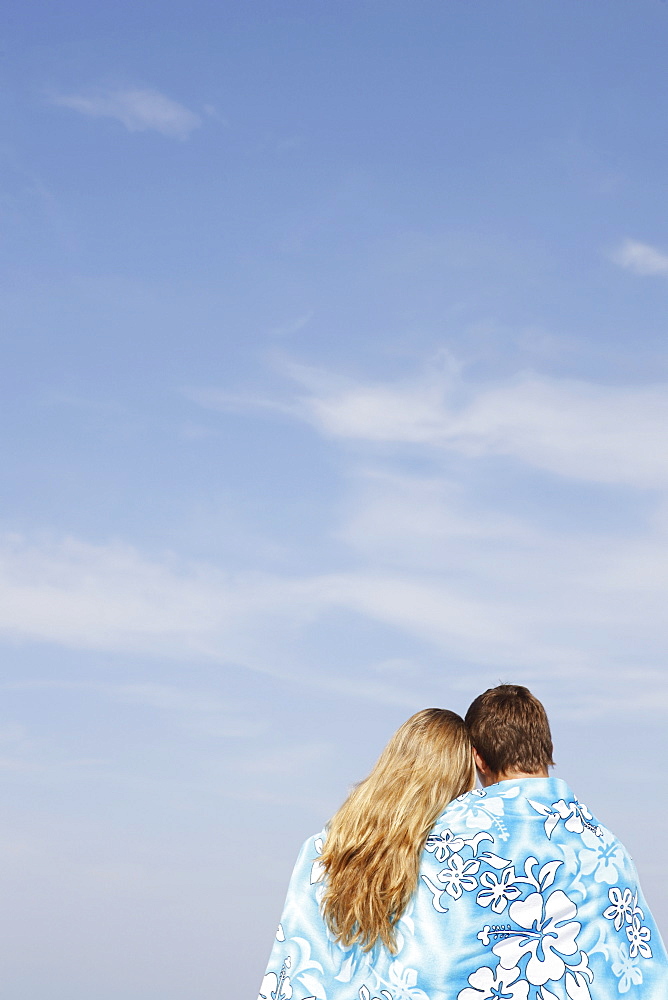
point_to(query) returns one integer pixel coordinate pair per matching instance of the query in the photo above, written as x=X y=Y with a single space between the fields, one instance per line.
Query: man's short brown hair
x=508 y=727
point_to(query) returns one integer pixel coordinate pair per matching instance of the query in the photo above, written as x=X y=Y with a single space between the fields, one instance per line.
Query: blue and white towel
x=522 y=895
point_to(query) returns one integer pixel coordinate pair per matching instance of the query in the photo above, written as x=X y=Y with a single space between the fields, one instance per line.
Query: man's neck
x=493 y=779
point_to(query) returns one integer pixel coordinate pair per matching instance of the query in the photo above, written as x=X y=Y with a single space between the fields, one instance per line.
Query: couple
x=423 y=887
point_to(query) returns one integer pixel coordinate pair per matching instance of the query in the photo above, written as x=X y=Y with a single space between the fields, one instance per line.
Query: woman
x=348 y=907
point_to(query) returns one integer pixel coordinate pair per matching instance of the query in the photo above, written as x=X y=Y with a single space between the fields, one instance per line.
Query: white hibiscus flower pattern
x=482 y=812
x=546 y=932
x=627 y=969
x=442 y=845
x=600 y=856
x=459 y=876
x=491 y=984
x=621 y=907
x=625 y=913
x=401 y=983
x=541 y=939
x=497 y=891
x=575 y=816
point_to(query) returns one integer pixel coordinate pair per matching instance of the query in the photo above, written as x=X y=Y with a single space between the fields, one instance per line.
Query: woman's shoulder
x=308 y=858
x=315 y=842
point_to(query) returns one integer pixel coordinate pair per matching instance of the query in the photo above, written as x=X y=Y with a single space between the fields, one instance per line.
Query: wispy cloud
x=212 y=398
x=573 y=428
x=139 y=109
x=500 y=594
x=641 y=258
x=113 y=597
x=489 y=595
x=292 y=326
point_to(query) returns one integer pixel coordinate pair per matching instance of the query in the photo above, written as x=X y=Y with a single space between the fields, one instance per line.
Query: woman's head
x=374 y=842
x=426 y=764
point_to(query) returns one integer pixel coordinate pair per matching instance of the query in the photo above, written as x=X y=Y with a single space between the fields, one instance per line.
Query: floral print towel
x=522 y=895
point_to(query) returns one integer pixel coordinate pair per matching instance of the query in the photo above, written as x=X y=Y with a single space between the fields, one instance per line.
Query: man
x=547 y=899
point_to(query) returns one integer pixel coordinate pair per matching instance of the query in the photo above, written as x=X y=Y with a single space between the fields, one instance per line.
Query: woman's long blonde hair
x=372 y=851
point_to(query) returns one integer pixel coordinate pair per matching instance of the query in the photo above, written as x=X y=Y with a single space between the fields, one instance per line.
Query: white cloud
x=139 y=109
x=641 y=258
x=112 y=597
x=578 y=613
x=501 y=595
x=578 y=429
x=492 y=598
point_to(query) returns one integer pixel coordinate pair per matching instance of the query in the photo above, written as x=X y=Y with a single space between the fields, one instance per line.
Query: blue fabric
x=522 y=895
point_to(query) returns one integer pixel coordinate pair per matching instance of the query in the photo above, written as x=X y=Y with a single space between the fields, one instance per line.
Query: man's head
x=510 y=733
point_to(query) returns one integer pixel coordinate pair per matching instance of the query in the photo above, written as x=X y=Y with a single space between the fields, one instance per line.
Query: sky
x=334 y=386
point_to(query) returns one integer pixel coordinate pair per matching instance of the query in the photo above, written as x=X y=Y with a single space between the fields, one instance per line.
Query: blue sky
x=333 y=387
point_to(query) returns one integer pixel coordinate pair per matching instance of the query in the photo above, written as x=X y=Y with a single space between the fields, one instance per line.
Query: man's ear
x=480 y=763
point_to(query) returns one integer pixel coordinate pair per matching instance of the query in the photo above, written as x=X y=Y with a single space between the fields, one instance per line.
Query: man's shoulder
x=545 y=806
x=527 y=818
x=495 y=800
